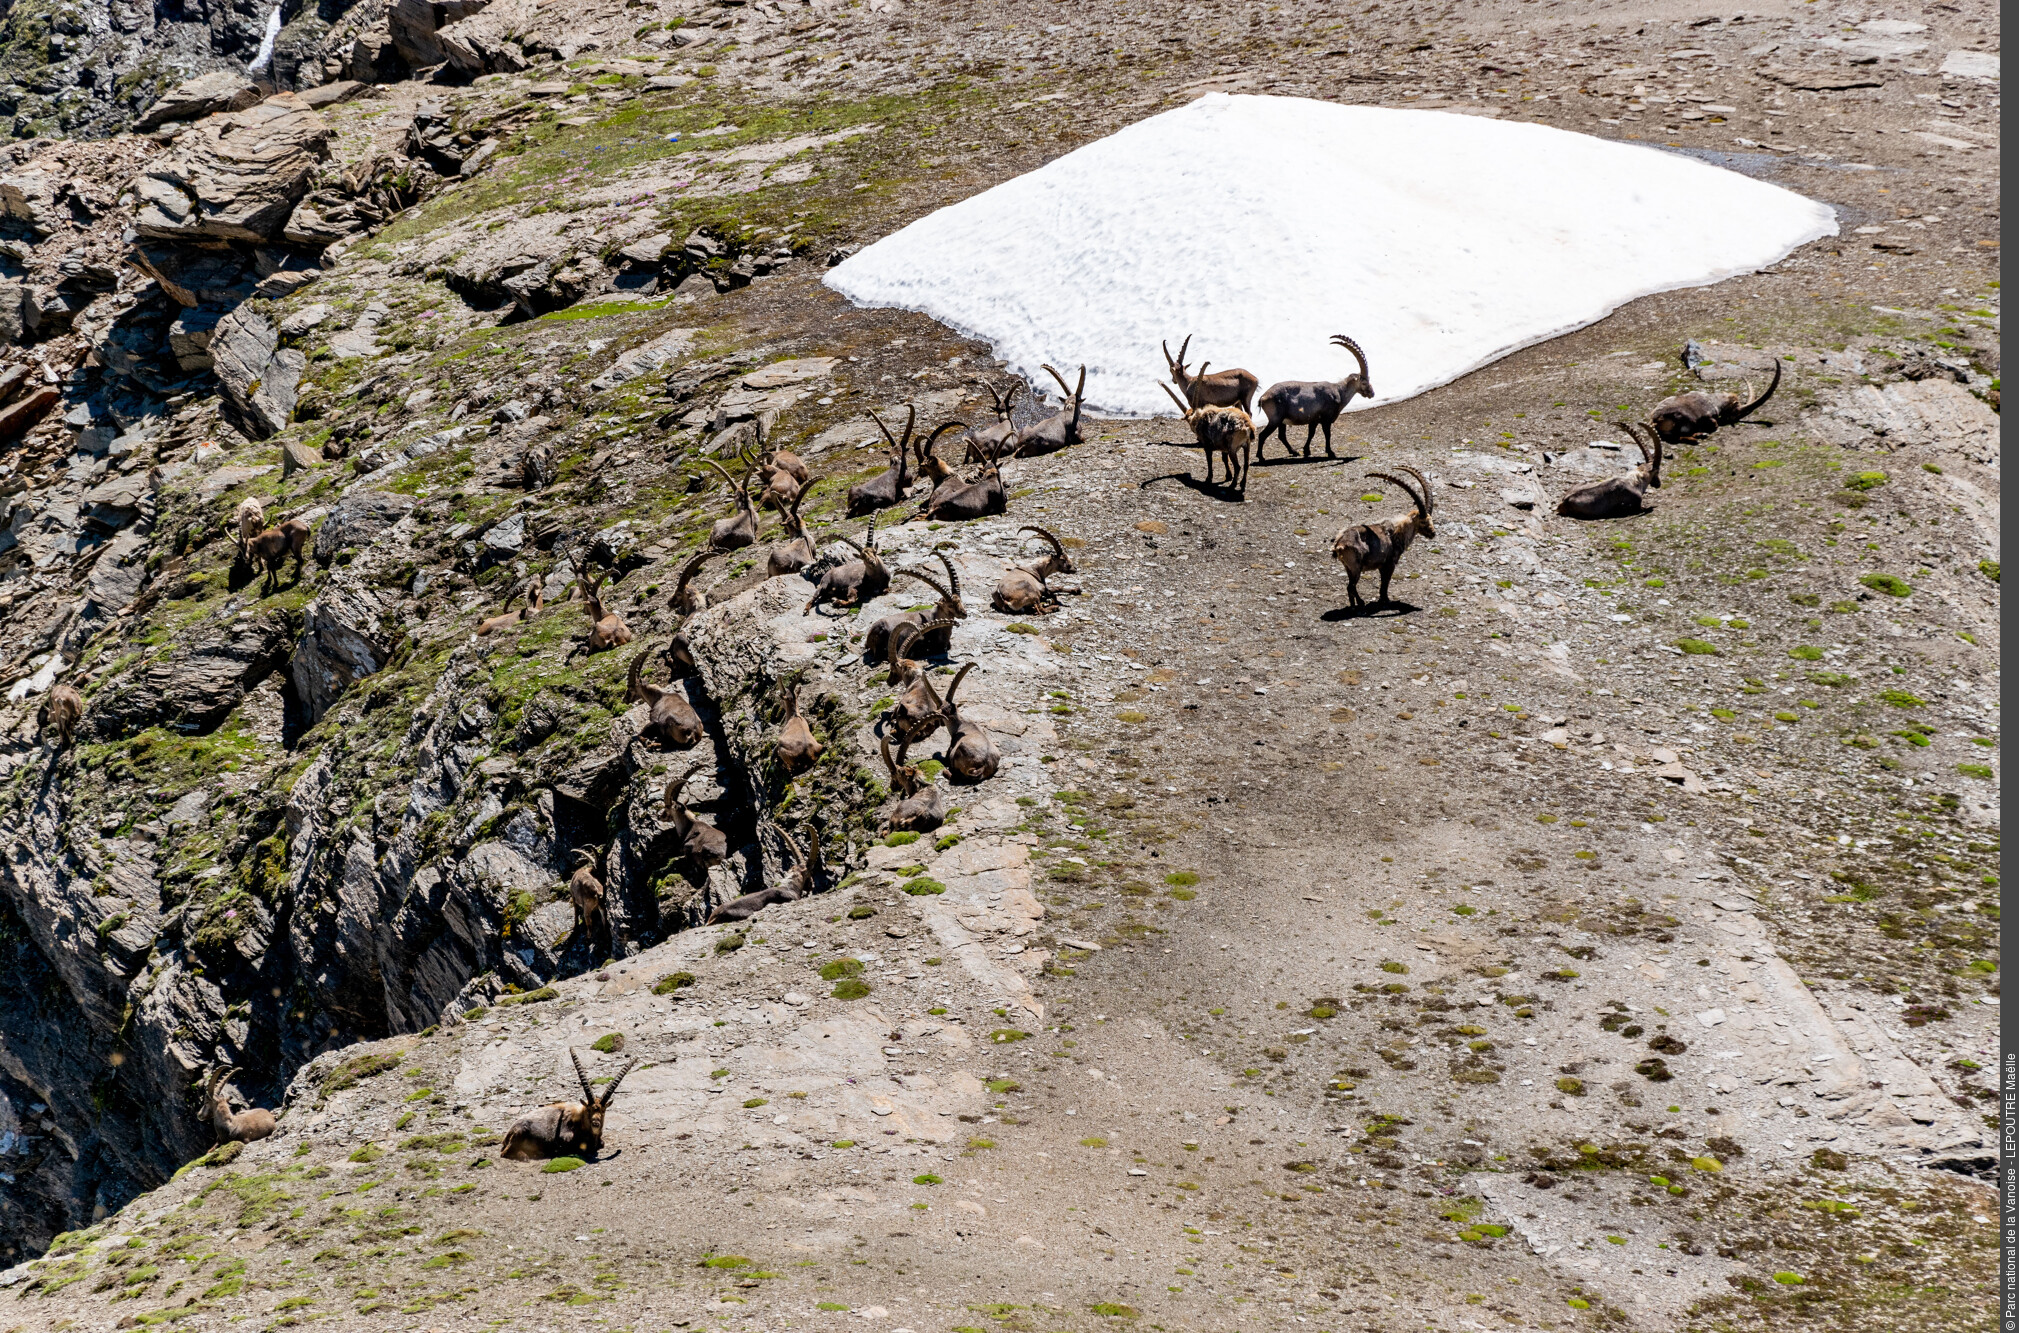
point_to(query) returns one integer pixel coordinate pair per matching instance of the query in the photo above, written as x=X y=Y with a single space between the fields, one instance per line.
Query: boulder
x=375 y=58
x=330 y=94
x=30 y=197
x=346 y=635
x=194 y=277
x=18 y=417
x=199 y=685
x=260 y=378
x=237 y=176
x=19 y=314
x=294 y=457
x=193 y=99
x=415 y=27
x=189 y=337
x=432 y=137
x=358 y=520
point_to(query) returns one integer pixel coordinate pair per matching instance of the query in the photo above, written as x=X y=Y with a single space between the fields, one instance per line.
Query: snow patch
x=1263 y=225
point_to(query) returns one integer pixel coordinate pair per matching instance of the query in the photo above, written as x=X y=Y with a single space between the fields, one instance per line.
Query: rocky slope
x=476 y=291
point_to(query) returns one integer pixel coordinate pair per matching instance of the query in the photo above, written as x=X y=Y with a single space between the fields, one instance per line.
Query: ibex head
x=1358 y=383
x=1419 y=517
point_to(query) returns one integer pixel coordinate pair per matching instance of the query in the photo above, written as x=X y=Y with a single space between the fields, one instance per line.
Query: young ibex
x=60 y=713
x=272 y=548
x=894 y=483
x=1225 y=433
x=730 y=534
x=993 y=441
x=564 y=1129
x=531 y=587
x=876 y=643
x=585 y=891
x=1229 y=388
x=1060 y=430
x=1022 y=587
x=917 y=711
x=783 y=473
x=254 y=1122
x=699 y=840
x=247 y=522
x=789 y=557
x=971 y=751
x=607 y=629
x=669 y=717
x=801 y=878
x=1623 y=493
x=536 y=468
x=853 y=582
x=688 y=599
x=910 y=809
x=956 y=503
x=1693 y=415
x=797 y=748
x=1312 y=403
x=1366 y=546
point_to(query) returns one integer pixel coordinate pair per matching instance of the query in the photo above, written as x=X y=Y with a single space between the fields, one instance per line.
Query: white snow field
x=1263 y=225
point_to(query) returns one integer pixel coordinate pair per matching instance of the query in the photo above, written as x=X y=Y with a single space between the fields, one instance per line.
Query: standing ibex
x=1622 y=493
x=1693 y=415
x=60 y=713
x=916 y=711
x=802 y=877
x=254 y=1122
x=564 y=1129
x=1022 y=587
x=508 y=617
x=1060 y=430
x=1312 y=403
x=729 y=534
x=1229 y=388
x=247 y=521
x=585 y=891
x=1225 y=433
x=993 y=441
x=669 y=716
x=853 y=582
x=272 y=548
x=789 y=557
x=536 y=467
x=910 y=809
x=797 y=748
x=1365 y=546
x=970 y=750
x=607 y=629
x=699 y=840
x=894 y=483
x=687 y=600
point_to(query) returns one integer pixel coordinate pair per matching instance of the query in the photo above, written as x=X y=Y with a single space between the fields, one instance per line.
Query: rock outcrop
x=235 y=177
x=260 y=378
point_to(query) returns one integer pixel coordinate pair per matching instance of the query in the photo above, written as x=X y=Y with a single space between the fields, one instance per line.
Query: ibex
x=801 y=878
x=910 y=809
x=983 y=496
x=789 y=557
x=585 y=891
x=536 y=468
x=853 y=582
x=1366 y=546
x=797 y=748
x=60 y=713
x=699 y=840
x=917 y=710
x=971 y=752
x=783 y=473
x=669 y=716
x=1229 y=388
x=876 y=643
x=508 y=617
x=1022 y=587
x=1693 y=415
x=688 y=599
x=1312 y=403
x=1225 y=433
x=729 y=534
x=607 y=629
x=247 y=521
x=254 y=1122
x=894 y=483
x=1622 y=493
x=272 y=548
x=564 y=1129
x=993 y=441
x=945 y=481
x=1060 y=430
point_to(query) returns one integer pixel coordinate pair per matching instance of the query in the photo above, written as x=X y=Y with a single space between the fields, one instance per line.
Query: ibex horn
x=885 y=429
x=1353 y=347
x=1428 y=500
x=958 y=677
x=1062 y=384
x=1184 y=408
x=952 y=574
x=588 y=1093
x=929 y=581
x=1057 y=545
x=1411 y=490
x=1775 y=383
x=611 y=1091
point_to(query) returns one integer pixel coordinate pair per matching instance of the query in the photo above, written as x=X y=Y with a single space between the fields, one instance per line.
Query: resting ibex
x=247 y=521
x=254 y=1122
x=971 y=752
x=1225 y=433
x=801 y=878
x=1060 y=430
x=983 y=496
x=729 y=534
x=60 y=713
x=699 y=840
x=945 y=481
x=1312 y=403
x=876 y=643
x=910 y=809
x=797 y=748
x=783 y=473
x=789 y=557
x=993 y=441
x=272 y=548
x=564 y=1129
x=508 y=618
x=669 y=716
x=607 y=629
x=1366 y=546
x=1022 y=587
x=894 y=483
x=688 y=599
x=853 y=582
x=1693 y=415
x=1229 y=388
x=917 y=711
x=585 y=891
x=1622 y=493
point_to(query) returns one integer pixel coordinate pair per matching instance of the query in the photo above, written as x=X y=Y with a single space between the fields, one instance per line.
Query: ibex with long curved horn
x=993 y=441
x=797 y=747
x=971 y=752
x=802 y=877
x=508 y=617
x=914 y=807
x=894 y=483
x=1364 y=546
x=688 y=599
x=957 y=503
x=916 y=711
x=876 y=643
x=1623 y=493
x=1022 y=587
x=607 y=629
x=669 y=717
x=564 y=1129
x=945 y=481
x=254 y=1122
x=853 y=582
x=1060 y=430
x=1228 y=388
x=730 y=534
x=789 y=557
x=699 y=840
x=1225 y=433
x=1312 y=404
x=1693 y=415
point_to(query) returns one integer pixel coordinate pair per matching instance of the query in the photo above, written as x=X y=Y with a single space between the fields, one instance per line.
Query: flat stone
x=193 y=99
x=797 y=371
